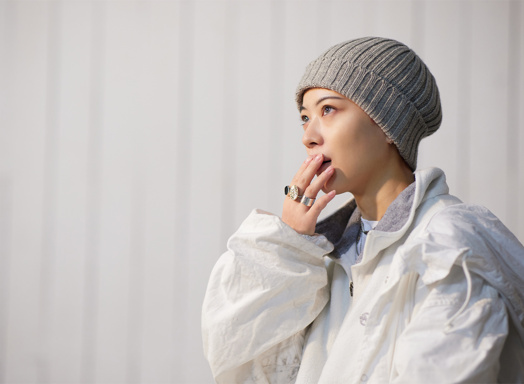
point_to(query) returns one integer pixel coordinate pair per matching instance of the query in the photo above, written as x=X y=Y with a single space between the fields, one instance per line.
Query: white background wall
x=135 y=136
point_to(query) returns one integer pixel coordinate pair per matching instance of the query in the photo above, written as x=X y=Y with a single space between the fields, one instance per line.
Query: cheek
x=369 y=146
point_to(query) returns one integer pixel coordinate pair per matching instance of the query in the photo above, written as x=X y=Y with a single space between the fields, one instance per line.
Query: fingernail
x=309 y=158
x=330 y=169
x=318 y=157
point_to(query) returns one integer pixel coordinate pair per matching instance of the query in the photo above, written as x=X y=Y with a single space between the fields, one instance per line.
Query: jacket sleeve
x=262 y=294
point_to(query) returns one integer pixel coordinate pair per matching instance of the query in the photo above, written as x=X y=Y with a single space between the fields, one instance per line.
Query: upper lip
x=325 y=160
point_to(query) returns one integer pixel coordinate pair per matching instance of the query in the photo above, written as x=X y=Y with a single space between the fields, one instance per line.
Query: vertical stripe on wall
x=49 y=203
x=464 y=121
x=141 y=28
x=519 y=230
x=183 y=180
x=489 y=98
x=25 y=119
x=5 y=255
x=278 y=41
x=515 y=168
x=6 y=13
x=91 y=277
x=229 y=142
x=443 y=48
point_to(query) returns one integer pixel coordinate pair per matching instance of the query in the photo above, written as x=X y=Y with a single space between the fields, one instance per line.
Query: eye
x=304 y=119
x=327 y=109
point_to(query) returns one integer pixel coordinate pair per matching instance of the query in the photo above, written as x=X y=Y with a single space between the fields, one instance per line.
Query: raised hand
x=298 y=214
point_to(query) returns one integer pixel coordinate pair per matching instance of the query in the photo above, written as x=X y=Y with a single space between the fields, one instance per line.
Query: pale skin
x=348 y=152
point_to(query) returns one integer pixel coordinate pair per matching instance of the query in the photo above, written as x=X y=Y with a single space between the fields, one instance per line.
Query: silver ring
x=307 y=201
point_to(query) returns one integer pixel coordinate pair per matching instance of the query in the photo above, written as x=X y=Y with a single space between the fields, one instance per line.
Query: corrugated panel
x=136 y=136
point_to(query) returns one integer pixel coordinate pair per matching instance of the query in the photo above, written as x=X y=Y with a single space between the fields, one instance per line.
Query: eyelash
x=305 y=118
x=326 y=107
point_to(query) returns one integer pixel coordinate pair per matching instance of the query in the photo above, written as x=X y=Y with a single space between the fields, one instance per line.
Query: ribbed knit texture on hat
x=388 y=81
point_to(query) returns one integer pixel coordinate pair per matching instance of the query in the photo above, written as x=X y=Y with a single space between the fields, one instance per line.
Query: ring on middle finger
x=293 y=192
x=307 y=201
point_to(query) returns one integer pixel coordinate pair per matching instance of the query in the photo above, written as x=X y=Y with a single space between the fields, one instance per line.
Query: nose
x=312 y=136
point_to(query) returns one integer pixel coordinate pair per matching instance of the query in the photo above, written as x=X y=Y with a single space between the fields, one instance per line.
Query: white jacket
x=438 y=297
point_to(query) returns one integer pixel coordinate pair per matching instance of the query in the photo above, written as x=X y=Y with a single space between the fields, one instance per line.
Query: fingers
x=316 y=185
x=315 y=188
x=307 y=171
x=321 y=203
x=302 y=168
x=304 y=177
x=301 y=217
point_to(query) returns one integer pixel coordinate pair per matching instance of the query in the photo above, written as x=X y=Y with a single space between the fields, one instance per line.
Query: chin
x=339 y=185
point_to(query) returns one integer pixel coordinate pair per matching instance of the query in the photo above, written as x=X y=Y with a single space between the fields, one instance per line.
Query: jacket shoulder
x=470 y=224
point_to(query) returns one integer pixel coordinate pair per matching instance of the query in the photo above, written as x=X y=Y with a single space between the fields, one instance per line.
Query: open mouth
x=325 y=164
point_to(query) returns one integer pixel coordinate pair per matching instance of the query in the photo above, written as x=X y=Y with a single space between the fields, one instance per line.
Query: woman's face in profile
x=347 y=137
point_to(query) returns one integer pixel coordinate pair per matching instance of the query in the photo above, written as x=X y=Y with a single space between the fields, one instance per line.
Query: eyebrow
x=321 y=100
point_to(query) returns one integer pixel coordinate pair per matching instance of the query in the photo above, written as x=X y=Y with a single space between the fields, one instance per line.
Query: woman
x=405 y=283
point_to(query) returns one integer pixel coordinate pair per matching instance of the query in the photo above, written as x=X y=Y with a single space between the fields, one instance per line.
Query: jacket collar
x=342 y=227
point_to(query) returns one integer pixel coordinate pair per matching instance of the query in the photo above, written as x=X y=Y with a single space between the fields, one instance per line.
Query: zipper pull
x=351 y=288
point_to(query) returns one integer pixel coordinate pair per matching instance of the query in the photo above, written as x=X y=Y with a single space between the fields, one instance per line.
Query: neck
x=380 y=193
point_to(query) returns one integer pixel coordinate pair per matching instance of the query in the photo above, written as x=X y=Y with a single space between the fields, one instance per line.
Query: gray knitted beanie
x=388 y=81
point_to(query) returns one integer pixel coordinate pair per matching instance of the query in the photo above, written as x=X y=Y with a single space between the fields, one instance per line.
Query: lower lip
x=323 y=167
